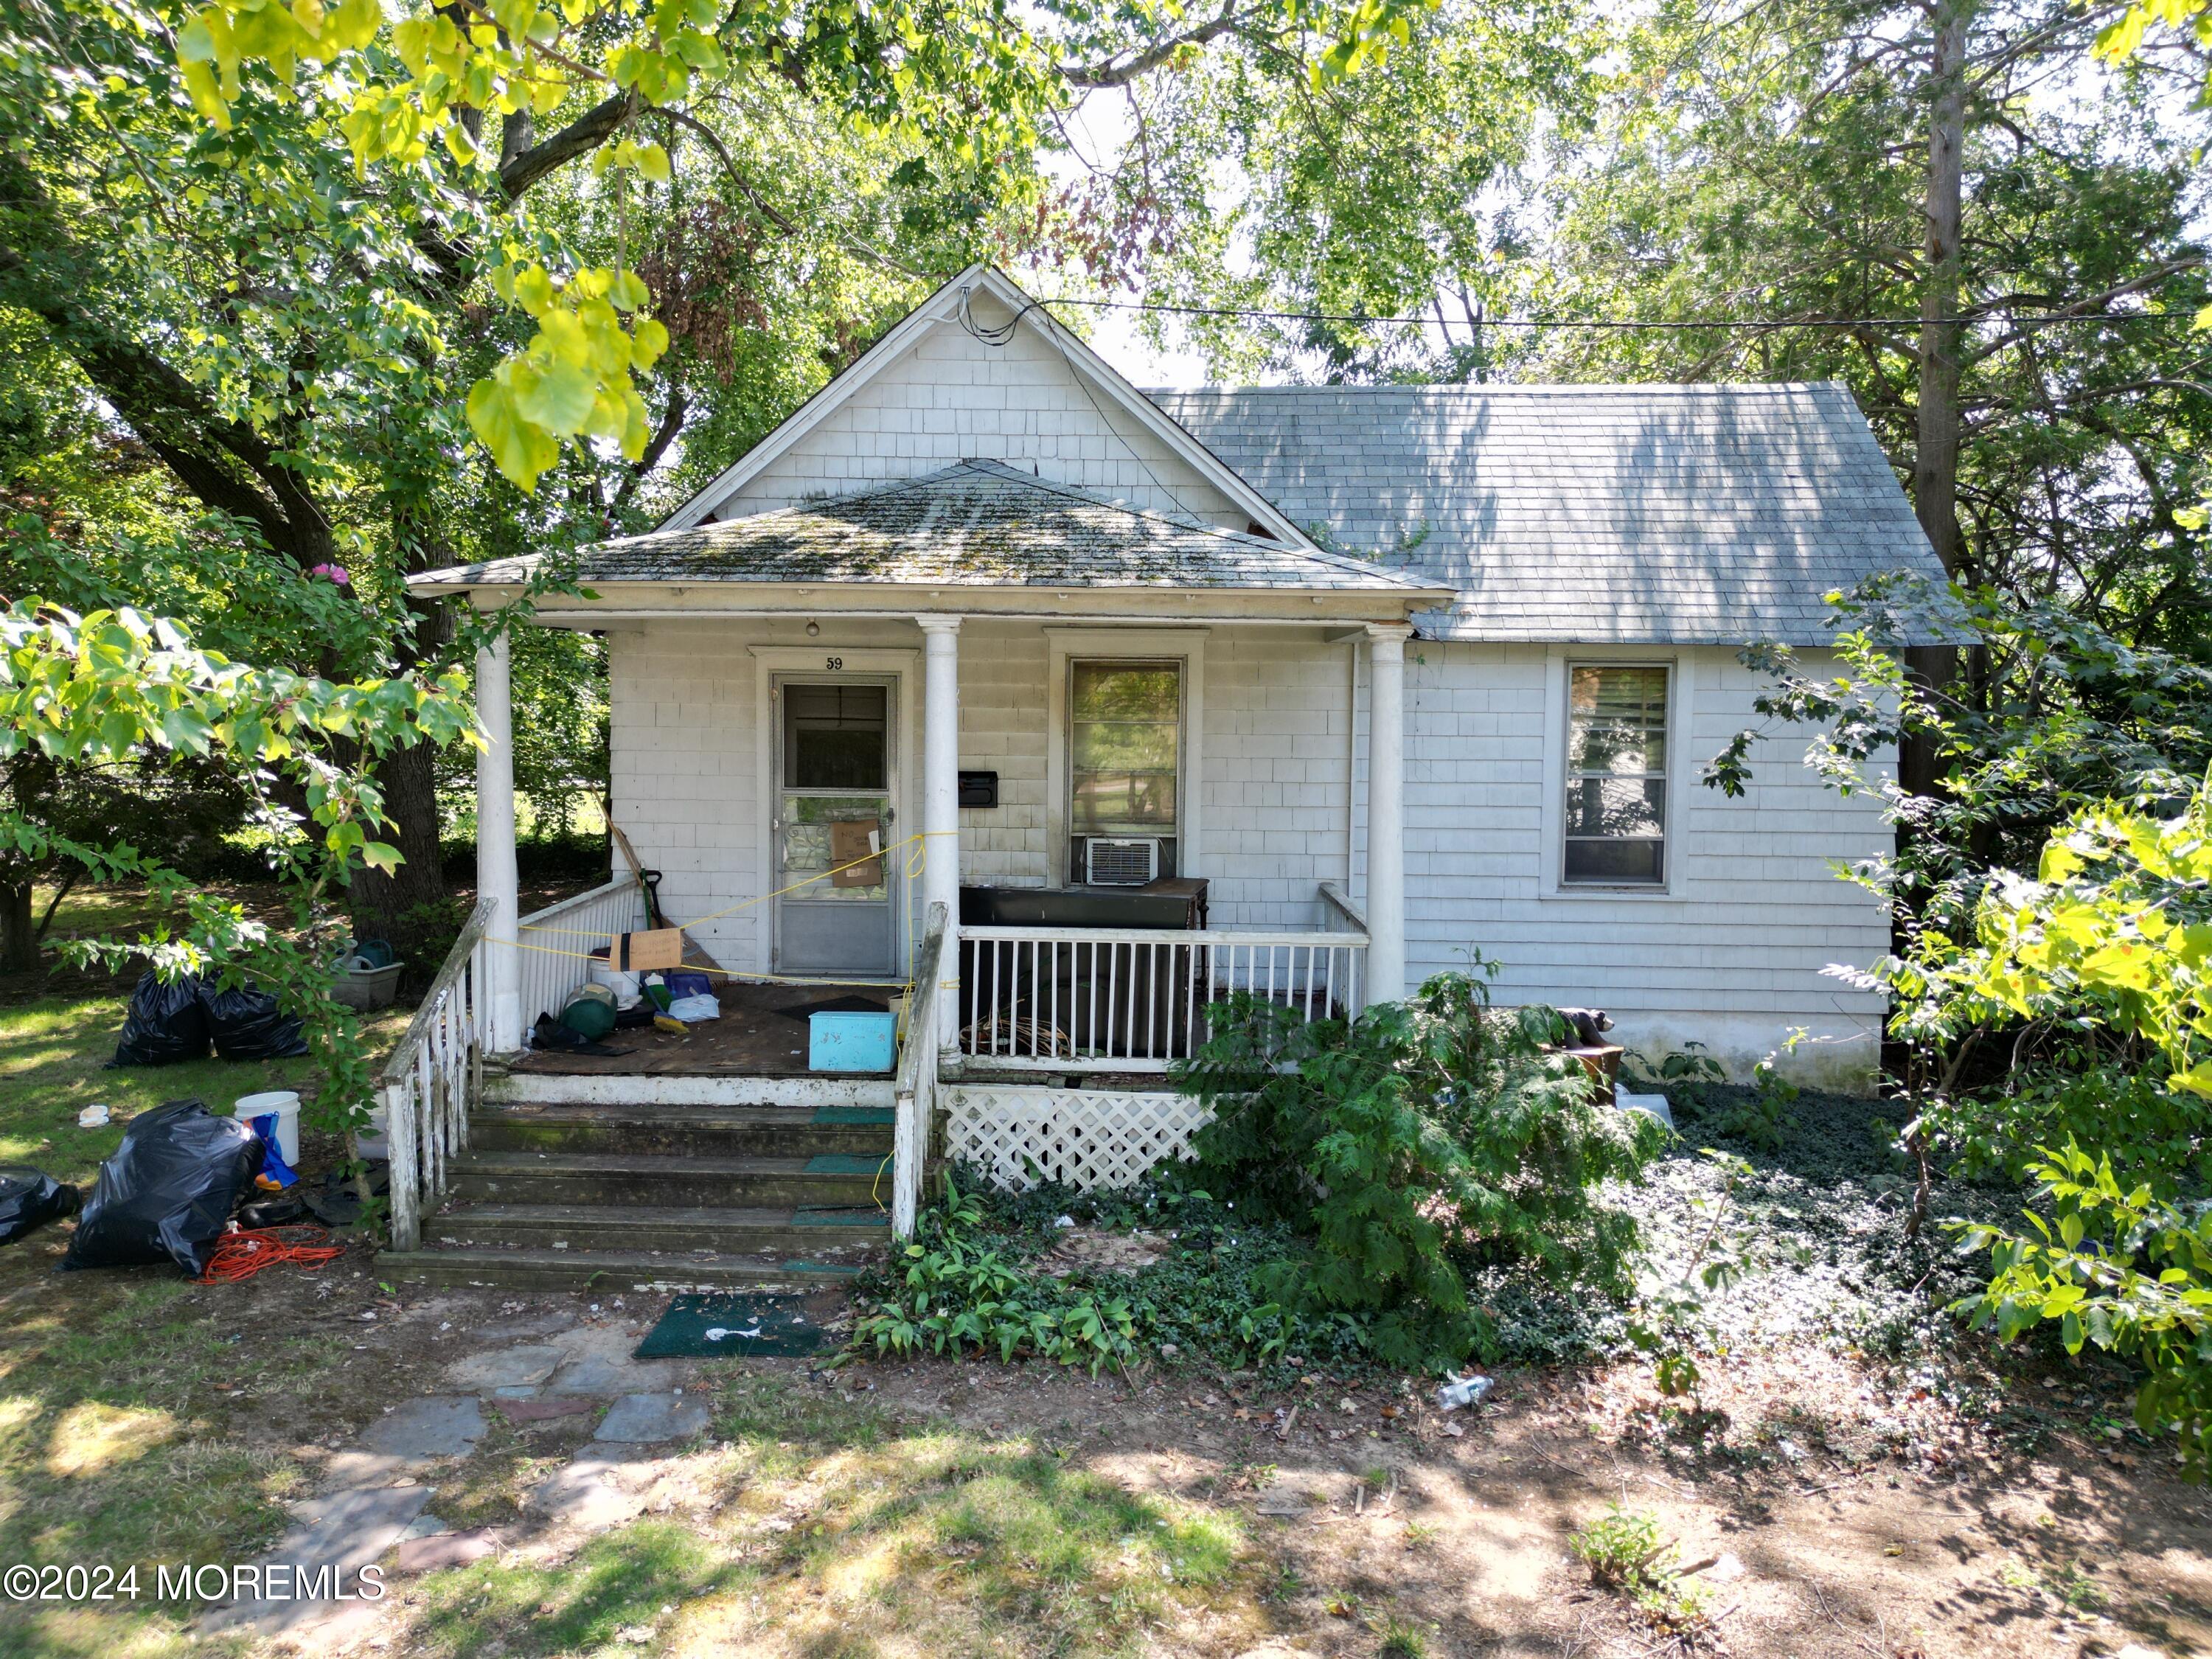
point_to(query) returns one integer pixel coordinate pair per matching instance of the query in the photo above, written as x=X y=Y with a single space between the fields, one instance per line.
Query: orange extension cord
x=242 y=1255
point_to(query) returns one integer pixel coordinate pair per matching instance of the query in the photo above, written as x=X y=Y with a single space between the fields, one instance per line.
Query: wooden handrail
x=1334 y=895
x=913 y=1088
x=457 y=959
x=928 y=969
x=576 y=901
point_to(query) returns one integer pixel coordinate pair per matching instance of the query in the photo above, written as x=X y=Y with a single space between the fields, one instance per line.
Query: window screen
x=835 y=737
x=1125 y=743
x=1616 y=816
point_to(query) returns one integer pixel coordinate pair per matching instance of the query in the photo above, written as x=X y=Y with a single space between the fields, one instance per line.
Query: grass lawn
x=815 y=1524
x=124 y=1435
x=52 y=1056
x=124 y=1439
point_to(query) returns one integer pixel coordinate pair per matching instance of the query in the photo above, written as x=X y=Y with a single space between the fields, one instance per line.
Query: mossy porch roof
x=978 y=524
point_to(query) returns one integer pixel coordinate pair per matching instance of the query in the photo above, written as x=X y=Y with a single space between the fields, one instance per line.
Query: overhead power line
x=2050 y=319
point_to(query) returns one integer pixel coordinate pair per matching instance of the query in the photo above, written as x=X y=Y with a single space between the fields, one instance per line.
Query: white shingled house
x=1312 y=690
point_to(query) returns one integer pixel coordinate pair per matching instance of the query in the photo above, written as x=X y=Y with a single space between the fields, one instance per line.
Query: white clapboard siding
x=1732 y=956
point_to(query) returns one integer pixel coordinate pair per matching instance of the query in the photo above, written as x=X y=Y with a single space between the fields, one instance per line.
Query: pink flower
x=333 y=573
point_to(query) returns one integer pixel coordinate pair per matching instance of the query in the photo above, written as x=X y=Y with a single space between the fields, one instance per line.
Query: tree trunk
x=19 y=929
x=1935 y=449
x=402 y=905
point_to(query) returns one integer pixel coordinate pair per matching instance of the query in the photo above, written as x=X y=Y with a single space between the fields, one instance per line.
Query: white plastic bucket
x=285 y=1103
x=625 y=986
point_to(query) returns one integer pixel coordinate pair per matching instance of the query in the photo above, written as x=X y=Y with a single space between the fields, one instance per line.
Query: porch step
x=725 y=1131
x=602 y=1270
x=652 y=1089
x=834 y=1234
x=634 y=1178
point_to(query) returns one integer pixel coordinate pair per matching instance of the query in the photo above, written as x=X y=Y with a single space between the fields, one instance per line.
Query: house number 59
x=834 y=664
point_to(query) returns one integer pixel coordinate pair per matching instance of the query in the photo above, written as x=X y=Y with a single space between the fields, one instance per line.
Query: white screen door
x=836 y=774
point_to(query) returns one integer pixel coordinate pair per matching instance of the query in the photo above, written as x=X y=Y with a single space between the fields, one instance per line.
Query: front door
x=836 y=866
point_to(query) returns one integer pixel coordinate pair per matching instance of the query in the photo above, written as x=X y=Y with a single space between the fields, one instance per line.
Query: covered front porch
x=1078 y=727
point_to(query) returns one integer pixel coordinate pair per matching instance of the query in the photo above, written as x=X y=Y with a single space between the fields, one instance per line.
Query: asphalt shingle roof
x=1699 y=514
x=976 y=523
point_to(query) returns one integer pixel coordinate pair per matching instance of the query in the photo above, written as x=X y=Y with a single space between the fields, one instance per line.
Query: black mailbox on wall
x=979 y=788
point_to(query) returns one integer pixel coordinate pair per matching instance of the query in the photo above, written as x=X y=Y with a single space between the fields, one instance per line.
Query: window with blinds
x=1616 y=816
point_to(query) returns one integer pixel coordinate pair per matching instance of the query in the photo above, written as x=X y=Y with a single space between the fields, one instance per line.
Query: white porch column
x=496 y=879
x=1386 y=813
x=941 y=800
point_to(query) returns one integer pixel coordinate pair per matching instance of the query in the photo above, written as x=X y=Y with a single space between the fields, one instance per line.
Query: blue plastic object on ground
x=849 y=1043
x=272 y=1161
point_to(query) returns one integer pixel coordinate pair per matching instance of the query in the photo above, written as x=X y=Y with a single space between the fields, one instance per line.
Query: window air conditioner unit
x=1121 y=862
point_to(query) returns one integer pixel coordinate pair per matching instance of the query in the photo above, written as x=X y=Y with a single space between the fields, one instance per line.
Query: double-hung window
x=1616 y=776
x=1124 y=761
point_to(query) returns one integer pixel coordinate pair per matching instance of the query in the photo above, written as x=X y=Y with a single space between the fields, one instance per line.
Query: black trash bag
x=271 y=1212
x=167 y=1024
x=169 y=1191
x=31 y=1198
x=247 y=1025
x=336 y=1203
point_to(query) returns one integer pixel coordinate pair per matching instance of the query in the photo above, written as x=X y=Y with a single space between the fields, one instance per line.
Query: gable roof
x=980 y=524
x=948 y=308
x=1695 y=514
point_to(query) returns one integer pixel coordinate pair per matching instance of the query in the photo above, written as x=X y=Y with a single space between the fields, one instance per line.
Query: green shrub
x=2112 y=941
x=1762 y=1118
x=1419 y=1140
x=1672 y=1320
x=2081 y=1091
x=2117 y=1267
x=1687 y=1073
x=1627 y=1553
x=953 y=1295
x=974 y=1281
x=1623 y=1548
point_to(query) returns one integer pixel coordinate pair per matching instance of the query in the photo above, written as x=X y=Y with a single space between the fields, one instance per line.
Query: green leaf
x=521 y=451
x=557 y=397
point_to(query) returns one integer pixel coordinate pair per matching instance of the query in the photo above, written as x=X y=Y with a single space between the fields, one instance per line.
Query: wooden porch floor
x=757 y=1036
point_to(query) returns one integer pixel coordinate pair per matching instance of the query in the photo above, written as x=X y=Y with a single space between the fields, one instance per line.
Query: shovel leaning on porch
x=644 y=950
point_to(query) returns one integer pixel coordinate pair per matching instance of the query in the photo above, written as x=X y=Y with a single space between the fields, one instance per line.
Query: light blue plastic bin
x=849 y=1043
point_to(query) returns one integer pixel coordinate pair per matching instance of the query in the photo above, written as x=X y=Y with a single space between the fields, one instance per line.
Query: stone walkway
x=374 y=1502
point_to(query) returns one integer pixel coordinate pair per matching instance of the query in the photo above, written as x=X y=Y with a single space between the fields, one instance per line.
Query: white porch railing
x=576 y=926
x=434 y=1077
x=1134 y=999
x=915 y=1088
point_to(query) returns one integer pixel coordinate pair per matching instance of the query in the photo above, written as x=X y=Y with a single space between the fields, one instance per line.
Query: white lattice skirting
x=1085 y=1136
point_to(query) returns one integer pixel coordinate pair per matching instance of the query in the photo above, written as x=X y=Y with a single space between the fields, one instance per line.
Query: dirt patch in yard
x=1102 y=1248
x=1832 y=1505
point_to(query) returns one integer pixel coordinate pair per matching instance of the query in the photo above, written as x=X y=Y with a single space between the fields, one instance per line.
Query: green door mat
x=741 y=1324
